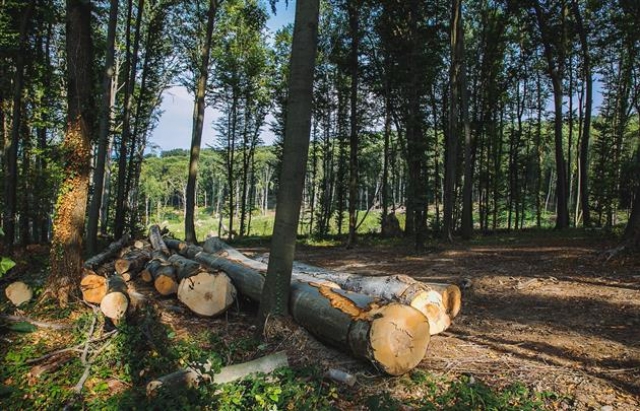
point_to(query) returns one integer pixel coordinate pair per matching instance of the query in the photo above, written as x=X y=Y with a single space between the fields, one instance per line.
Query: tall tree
x=555 y=53
x=68 y=226
x=106 y=109
x=275 y=294
x=198 y=121
x=583 y=173
x=353 y=11
x=11 y=145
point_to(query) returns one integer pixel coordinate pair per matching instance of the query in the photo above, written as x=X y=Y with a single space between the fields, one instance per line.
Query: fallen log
x=206 y=293
x=116 y=301
x=199 y=373
x=132 y=263
x=185 y=267
x=18 y=293
x=392 y=336
x=155 y=237
x=400 y=288
x=107 y=254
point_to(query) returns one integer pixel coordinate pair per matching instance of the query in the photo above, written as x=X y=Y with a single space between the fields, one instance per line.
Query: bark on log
x=115 y=303
x=132 y=263
x=141 y=244
x=155 y=237
x=107 y=254
x=93 y=287
x=392 y=336
x=18 y=293
x=193 y=376
x=207 y=294
x=185 y=267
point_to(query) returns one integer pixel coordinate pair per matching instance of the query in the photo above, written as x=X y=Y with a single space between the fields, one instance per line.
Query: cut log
x=155 y=237
x=207 y=294
x=451 y=297
x=392 y=336
x=132 y=263
x=113 y=249
x=162 y=273
x=185 y=267
x=93 y=286
x=193 y=376
x=115 y=303
x=18 y=293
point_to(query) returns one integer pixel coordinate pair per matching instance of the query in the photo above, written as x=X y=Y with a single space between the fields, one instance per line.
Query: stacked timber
x=106 y=282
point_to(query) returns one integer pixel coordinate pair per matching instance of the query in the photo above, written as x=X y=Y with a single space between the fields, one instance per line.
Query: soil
x=550 y=312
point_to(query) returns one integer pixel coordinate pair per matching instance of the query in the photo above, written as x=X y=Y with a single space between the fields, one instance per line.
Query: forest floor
x=545 y=315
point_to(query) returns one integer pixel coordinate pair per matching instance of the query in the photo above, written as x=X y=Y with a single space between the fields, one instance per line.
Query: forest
x=492 y=146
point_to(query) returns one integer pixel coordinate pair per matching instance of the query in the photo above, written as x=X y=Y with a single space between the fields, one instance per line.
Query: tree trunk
x=296 y=147
x=586 y=128
x=132 y=60
x=11 y=145
x=467 y=198
x=104 y=130
x=353 y=7
x=68 y=226
x=451 y=152
x=198 y=121
x=185 y=267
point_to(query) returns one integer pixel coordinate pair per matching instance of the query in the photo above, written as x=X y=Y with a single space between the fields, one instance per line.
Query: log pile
x=386 y=320
x=108 y=278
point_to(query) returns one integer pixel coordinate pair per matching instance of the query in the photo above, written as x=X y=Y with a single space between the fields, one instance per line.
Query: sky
x=175 y=125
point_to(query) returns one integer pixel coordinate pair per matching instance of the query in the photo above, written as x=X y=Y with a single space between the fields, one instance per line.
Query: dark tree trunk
x=586 y=128
x=275 y=294
x=68 y=226
x=198 y=121
x=132 y=60
x=103 y=131
x=353 y=139
x=11 y=145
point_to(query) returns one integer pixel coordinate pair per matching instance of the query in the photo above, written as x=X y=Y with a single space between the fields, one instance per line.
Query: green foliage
x=6 y=263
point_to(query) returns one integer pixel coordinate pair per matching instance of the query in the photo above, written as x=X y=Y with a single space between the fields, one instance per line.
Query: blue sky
x=175 y=125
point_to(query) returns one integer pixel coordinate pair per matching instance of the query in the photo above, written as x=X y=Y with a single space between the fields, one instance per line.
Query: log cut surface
x=206 y=293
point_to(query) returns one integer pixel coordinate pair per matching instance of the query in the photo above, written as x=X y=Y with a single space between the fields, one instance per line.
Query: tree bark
x=132 y=263
x=586 y=128
x=68 y=226
x=198 y=121
x=103 y=131
x=353 y=138
x=109 y=252
x=295 y=152
x=115 y=303
x=155 y=237
x=11 y=145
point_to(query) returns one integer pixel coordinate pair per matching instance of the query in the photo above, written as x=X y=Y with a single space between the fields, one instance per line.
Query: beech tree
x=69 y=219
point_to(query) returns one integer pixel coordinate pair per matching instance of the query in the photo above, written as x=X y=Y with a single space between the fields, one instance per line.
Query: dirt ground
x=549 y=312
